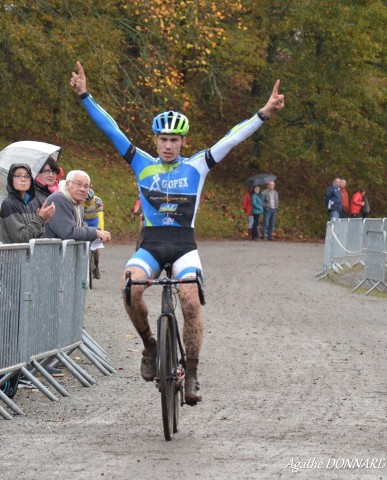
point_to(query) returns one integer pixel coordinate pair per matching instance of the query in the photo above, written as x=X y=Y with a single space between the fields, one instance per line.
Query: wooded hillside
x=217 y=62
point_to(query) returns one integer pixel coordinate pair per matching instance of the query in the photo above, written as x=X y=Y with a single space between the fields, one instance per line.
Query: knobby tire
x=166 y=362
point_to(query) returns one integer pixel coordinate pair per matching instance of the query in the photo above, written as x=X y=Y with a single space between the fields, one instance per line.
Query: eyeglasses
x=49 y=171
x=85 y=186
x=19 y=177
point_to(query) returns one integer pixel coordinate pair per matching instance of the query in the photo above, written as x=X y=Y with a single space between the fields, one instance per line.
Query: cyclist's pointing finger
x=81 y=72
x=276 y=87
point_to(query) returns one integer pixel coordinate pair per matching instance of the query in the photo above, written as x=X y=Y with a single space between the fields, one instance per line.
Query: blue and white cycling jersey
x=169 y=192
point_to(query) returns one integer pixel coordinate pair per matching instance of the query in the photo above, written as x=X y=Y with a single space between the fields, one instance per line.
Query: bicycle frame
x=170 y=369
x=167 y=307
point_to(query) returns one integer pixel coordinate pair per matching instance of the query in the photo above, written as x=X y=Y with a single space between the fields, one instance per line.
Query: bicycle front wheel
x=166 y=363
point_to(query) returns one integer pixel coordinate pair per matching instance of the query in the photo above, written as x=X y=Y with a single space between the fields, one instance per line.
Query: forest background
x=217 y=62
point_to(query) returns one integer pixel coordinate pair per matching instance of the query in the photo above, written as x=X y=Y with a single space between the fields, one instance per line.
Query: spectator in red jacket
x=344 y=199
x=248 y=208
x=357 y=203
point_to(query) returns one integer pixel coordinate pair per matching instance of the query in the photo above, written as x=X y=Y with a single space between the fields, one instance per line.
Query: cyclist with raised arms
x=169 y=187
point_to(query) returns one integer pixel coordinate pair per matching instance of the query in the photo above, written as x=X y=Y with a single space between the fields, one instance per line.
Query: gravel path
x=292 y=370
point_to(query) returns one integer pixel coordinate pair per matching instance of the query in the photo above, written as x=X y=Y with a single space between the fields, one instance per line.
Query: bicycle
x=170 y=368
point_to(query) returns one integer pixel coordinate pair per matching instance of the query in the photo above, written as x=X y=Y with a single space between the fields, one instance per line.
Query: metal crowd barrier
x=13 y=335
x=348 y=242
x=375 y=263
x=42 y=299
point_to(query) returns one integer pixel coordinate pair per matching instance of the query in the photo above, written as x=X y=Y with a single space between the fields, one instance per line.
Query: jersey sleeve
x=106 y=124
x=234 y=137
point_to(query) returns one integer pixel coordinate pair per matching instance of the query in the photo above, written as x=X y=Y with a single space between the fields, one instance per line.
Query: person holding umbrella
x=270 y=205
x=257 y=209
x=47 y=180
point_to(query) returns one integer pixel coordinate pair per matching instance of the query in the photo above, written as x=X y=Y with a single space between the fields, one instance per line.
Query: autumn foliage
x=216 y=61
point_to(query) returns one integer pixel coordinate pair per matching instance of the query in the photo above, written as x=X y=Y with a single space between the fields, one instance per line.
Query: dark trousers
x=255 y=227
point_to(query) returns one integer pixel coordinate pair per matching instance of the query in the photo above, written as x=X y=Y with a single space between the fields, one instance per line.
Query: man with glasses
x=68 y=222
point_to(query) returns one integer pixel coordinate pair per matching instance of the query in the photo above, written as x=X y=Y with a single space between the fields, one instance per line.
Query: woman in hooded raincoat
x=21 y=219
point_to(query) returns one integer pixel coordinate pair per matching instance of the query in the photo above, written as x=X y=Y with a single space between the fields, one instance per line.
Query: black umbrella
x=260 y=179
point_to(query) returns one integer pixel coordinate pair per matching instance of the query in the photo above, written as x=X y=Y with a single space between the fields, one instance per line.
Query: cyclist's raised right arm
x=100 y=117
x=106 y=123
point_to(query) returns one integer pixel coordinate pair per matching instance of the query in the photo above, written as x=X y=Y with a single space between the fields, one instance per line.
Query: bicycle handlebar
x=164 y=282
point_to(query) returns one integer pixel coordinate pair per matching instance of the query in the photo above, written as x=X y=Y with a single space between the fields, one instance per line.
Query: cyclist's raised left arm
x=246 y=128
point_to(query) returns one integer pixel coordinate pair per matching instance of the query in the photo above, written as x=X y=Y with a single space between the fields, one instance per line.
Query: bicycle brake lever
x=128 y=287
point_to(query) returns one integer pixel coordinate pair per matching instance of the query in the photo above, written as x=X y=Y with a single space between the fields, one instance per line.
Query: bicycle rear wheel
x=166 y=364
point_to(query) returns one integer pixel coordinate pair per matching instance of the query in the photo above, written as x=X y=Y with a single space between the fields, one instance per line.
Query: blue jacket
x=257 y=203
x=333 y=200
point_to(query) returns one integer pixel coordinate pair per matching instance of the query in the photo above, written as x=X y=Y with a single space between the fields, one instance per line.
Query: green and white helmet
x=173 y=123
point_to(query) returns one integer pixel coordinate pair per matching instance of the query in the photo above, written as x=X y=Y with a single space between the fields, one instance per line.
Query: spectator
x=93 y=216
x=344 y=199
x=365 y=209
x=21 y=219
x=248 y=209
x=270 y=207
x=47 y=180
x=257 y=209
x=357 y=203
x=68 y=222
x=333 y=200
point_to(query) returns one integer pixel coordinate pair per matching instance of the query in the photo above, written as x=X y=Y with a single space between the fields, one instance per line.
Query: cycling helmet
x=90 y=194
x=171 y=122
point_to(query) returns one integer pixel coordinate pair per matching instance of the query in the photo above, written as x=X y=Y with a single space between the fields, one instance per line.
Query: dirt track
x=293 y=370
